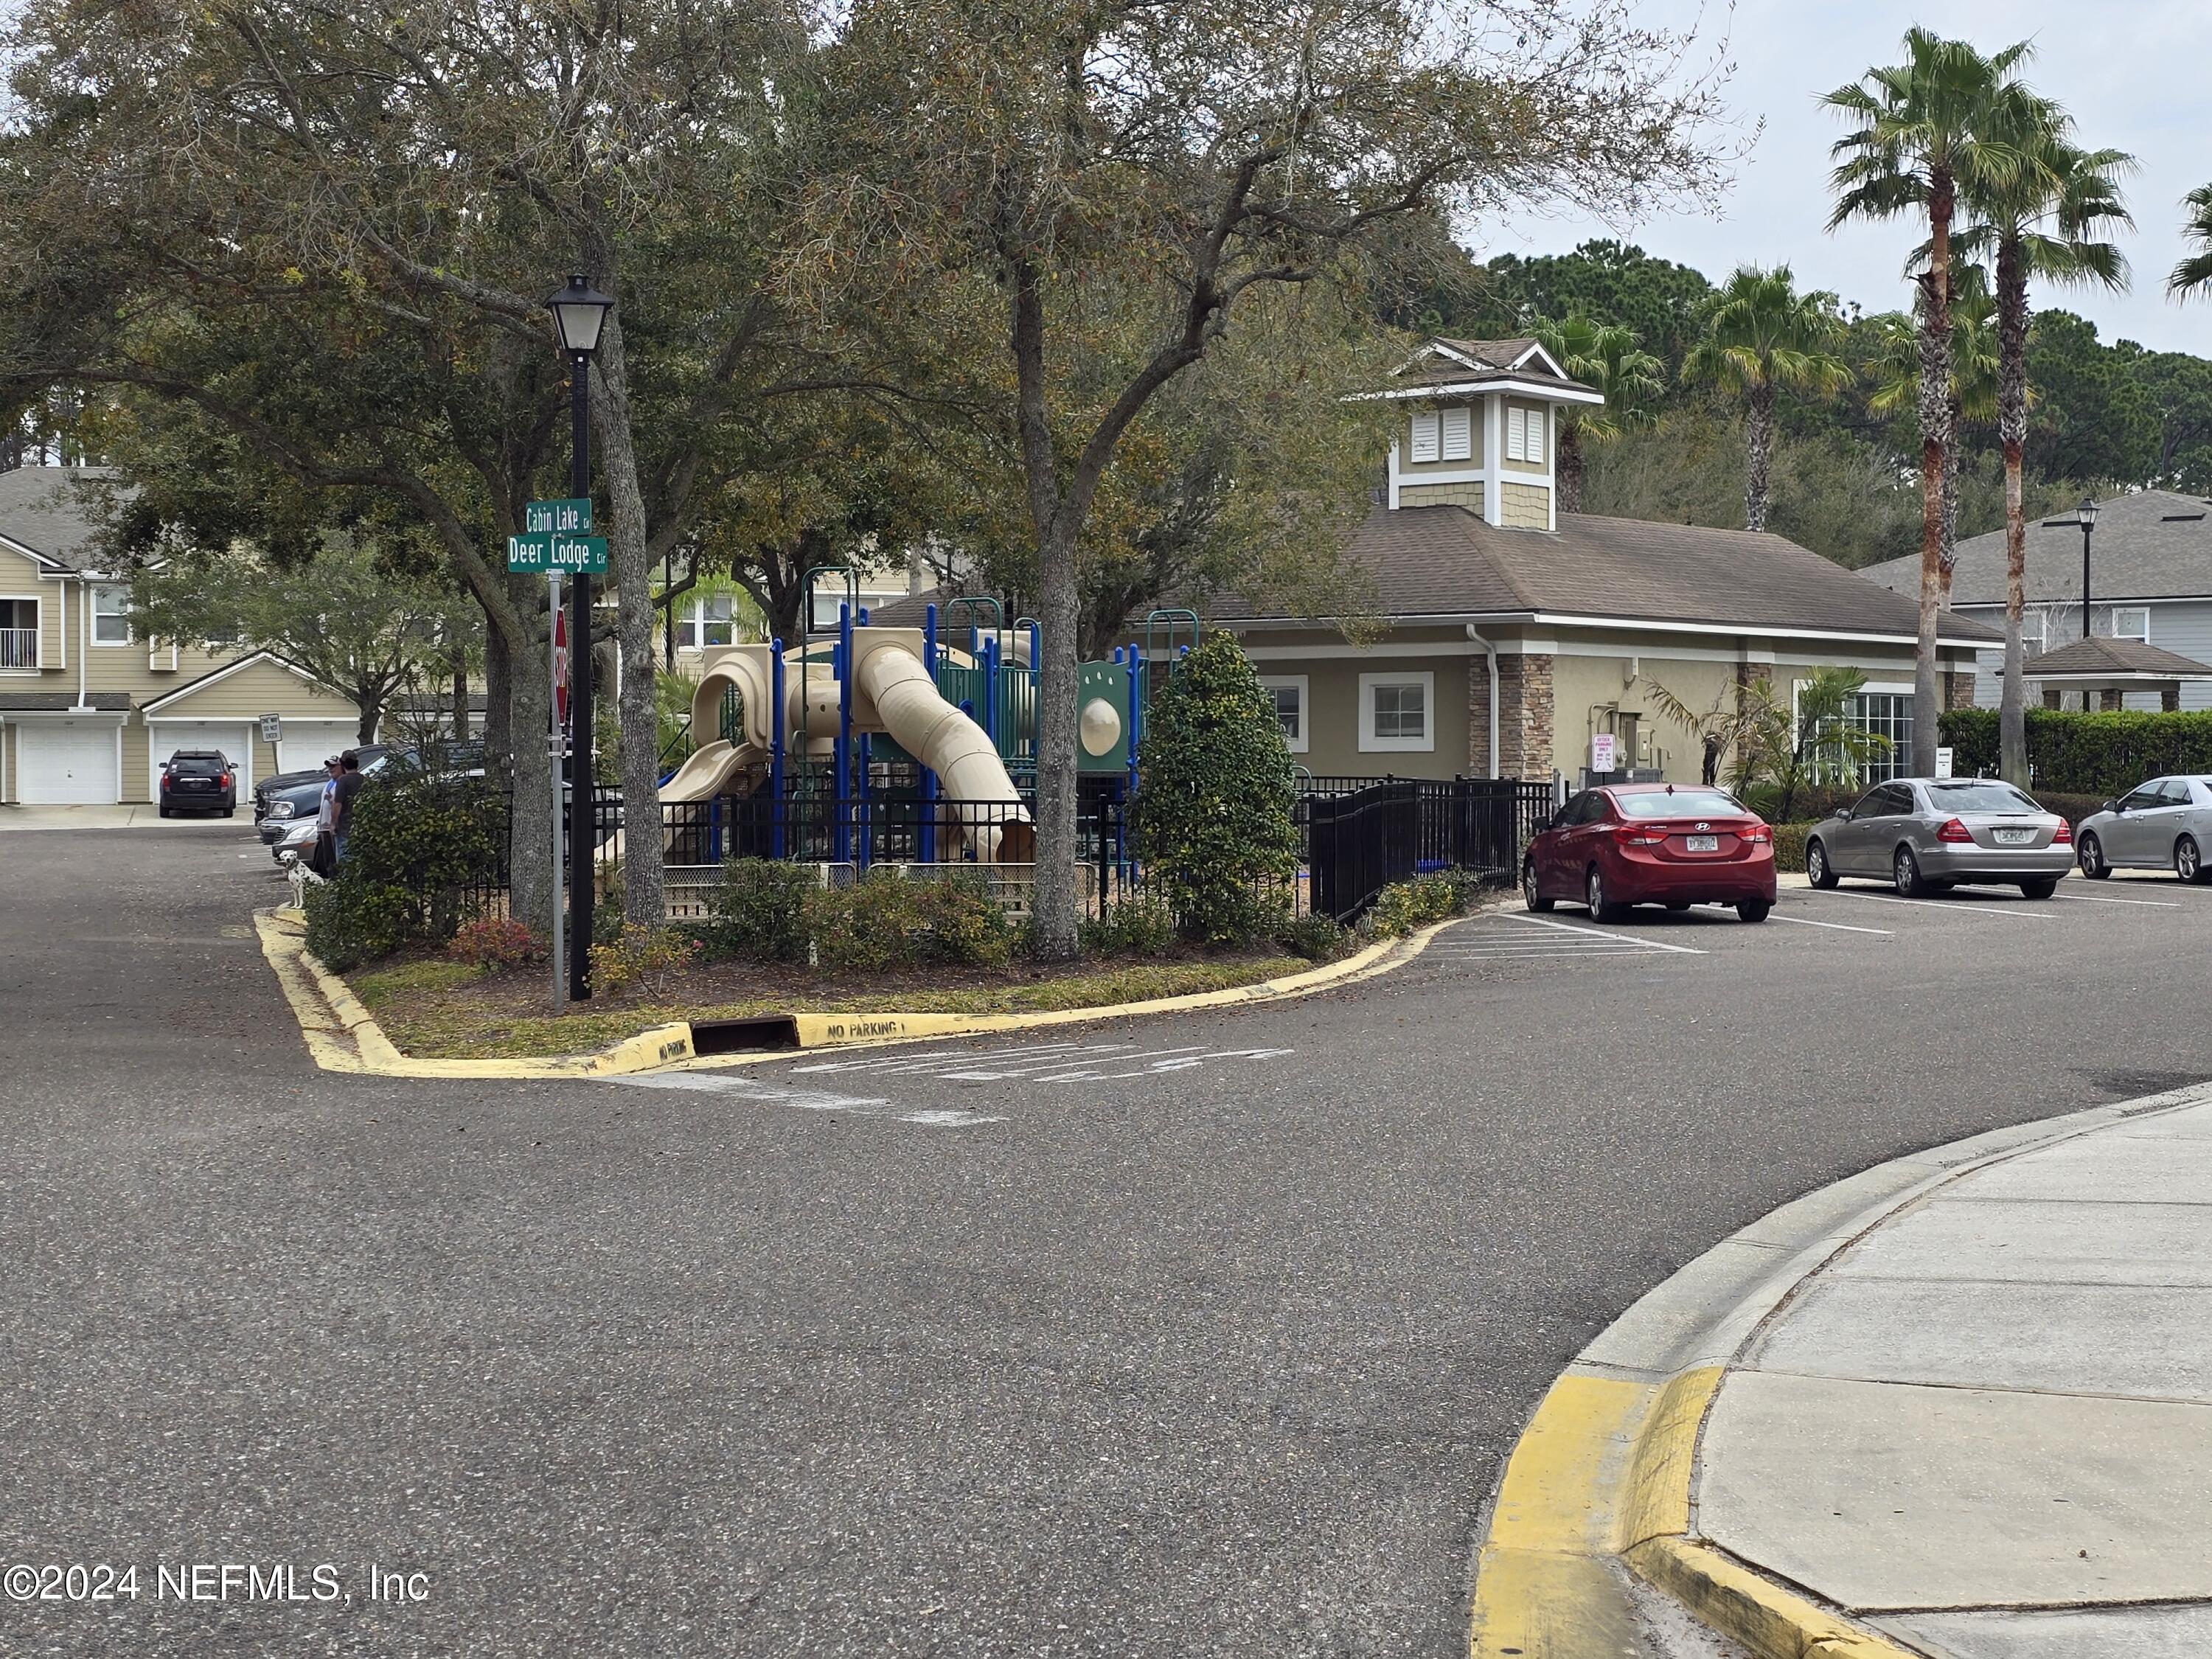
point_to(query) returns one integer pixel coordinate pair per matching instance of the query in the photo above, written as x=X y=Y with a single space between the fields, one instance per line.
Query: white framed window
x=1424 y=434
x=2131 y=622
x=1458 y=433
x=1289 y=693
x=1524 y=435
x=707 y=622
x=110 y=615
x=1397 y=712
x=1535 y=444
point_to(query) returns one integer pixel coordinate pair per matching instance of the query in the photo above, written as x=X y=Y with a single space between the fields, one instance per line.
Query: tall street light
x=2087 y=515
x=579 y=311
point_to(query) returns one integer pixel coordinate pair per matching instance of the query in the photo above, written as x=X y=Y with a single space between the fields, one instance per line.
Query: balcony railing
x=18 y=647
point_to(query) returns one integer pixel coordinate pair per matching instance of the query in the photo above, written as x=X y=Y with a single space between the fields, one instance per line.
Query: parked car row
x=1616 y=846
x=285 y=806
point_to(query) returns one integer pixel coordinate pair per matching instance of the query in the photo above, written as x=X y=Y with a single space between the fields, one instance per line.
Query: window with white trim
x=1397 y=712
x=1287 y=692
x=1534 y=445
x=1524 y=435
x=1458 y=433
x=18 y=633
x=110 y=615
x=2131 y=622
x=707 y=622
x=1424 y=434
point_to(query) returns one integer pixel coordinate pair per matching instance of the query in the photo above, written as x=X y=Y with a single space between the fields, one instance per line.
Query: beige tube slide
x=935 y=732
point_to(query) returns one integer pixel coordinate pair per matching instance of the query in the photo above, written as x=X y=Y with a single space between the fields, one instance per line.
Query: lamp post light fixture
x=2086 y=515
x=579 y=312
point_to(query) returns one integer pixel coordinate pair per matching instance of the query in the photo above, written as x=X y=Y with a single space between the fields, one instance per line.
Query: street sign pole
x=554 y=721
x=583 y=843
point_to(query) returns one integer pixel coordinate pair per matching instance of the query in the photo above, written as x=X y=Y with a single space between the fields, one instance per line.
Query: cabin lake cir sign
x=555 y=540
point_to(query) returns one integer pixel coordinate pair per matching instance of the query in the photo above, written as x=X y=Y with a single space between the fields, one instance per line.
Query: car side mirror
x=1844 y=813
x=2108 y=807
x=2119 y=807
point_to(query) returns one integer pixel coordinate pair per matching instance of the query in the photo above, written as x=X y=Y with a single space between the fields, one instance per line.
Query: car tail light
x=222 y=780
x=1757 y=835
x=2065 y=836
x=1635 y=835
x=1954 y=830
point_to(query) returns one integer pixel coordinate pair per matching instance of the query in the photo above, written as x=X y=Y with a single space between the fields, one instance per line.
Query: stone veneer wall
x=1522 y=507
x=1469 y=495
x=1959 y=690
x=1524 y=716
x=1478 y=713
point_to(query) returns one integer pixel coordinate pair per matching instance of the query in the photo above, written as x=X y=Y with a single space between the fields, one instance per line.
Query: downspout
x=83 y=635
x=1490 y=650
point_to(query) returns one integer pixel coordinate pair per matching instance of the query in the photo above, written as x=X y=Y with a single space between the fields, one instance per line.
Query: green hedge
x=2073 y=753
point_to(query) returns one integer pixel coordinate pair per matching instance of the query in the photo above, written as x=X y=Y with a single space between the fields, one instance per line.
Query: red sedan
x=1652 y=844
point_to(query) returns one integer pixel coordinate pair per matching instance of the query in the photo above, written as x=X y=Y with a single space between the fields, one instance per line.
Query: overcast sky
x=2133 y=73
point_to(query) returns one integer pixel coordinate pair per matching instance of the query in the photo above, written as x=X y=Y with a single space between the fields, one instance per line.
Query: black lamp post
x=2086 y=514
x=579 y=311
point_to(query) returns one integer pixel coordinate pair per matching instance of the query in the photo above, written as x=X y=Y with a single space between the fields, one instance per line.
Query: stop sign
x=560 y=665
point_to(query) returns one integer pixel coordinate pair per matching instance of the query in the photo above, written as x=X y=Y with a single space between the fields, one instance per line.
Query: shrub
x=867 y=927
x=1211 y=817
x=494 y=942
x=649 y=958
x=758 y=911
x=961 y=922
x=1405 y=907
x=607 y=923
x=1789 y=846
x=2073 y=753
x=419 y=846
x=1134 y=927
x=1316 y=938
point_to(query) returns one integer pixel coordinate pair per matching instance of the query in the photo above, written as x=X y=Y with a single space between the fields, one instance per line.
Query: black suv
x=198 y=781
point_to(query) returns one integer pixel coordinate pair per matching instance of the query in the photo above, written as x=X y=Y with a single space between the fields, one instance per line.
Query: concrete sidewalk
x=1984 y=1428
x=142 y=815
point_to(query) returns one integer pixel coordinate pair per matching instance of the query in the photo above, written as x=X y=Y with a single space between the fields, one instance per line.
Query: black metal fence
x=1358 y=843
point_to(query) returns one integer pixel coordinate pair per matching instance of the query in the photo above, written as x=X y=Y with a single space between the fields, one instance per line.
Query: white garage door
x=233 y=738
x=66 y=763
x=307 y=744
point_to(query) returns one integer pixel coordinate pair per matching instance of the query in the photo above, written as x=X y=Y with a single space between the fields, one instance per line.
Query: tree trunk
x=1935 y=405
x=2012 y=426
x=1758 y=433
x=1058 y=917
x=498 y=732
x=529 y=719
x=1954 y=418
x=1570 y=466
x=630 y=562
x=460 y=698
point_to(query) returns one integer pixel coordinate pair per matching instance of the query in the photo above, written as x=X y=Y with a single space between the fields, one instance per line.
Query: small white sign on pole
x=272 y=729
x=1943 y=763
x=1602 y=755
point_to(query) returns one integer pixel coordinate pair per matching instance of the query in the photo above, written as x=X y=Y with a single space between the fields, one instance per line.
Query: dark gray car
x=1923 y=835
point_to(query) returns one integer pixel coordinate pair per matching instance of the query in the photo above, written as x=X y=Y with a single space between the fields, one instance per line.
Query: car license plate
x=1704 y=843
x=2014 y=838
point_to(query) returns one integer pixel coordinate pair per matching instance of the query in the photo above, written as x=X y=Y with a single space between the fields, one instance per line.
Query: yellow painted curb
x=1602 y=1474
x=343 y=1036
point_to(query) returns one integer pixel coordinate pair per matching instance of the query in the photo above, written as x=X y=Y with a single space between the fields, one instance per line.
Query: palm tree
x=1924 y=128
x=2195 y=272
x=1762 y=335
x=2047 y=223
x=1894 y=366
x=1610 y=357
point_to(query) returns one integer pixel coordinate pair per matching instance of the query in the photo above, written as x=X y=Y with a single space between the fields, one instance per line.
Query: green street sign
x=566 y=516
x=540 y=554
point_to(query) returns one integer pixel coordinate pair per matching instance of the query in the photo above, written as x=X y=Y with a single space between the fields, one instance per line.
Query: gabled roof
x=43 y=513
x=1445 y=561
x=2107 y=659
x=2155 y=543
x=1488 y=365
x=235 y=665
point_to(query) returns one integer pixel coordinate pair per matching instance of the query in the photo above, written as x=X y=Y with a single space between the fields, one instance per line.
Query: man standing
x=342 y=797
x=323 y=860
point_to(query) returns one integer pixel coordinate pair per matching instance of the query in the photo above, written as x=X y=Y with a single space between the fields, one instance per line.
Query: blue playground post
x=925 y=834
x=991 y=690
x=842 y=760
x=775 y=744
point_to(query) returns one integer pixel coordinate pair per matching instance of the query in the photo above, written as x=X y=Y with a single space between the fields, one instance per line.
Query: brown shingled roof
x=1445 y=561
x=2102 y=656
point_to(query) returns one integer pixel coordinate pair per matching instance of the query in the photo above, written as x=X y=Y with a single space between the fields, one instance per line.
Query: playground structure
x=869 y=745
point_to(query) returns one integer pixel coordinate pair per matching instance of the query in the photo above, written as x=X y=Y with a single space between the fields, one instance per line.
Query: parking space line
x=1807 y=921
x=1933 y=904
x=1600 y=932
x=2093 y=898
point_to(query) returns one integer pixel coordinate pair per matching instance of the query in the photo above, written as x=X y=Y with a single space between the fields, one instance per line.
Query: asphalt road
x=1159 y=1348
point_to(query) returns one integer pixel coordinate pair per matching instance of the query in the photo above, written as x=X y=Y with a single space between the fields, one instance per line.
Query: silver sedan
x=1922 y=834
x=2164 y=824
